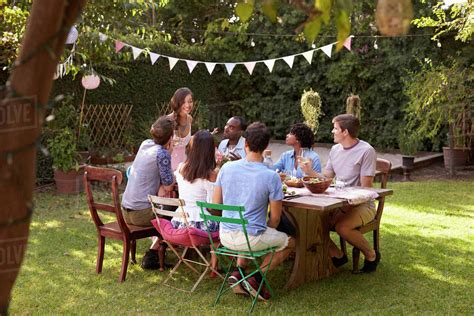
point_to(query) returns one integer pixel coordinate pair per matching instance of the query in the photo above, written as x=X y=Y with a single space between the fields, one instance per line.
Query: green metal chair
x=224 y=252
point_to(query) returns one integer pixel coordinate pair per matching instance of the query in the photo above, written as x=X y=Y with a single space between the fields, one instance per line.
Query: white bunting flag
x=308 y=55
x=327 y=49
x=173 y=62
x=136 y=52
x=191 y=64
x=250 y=67
x=347 y=43
x=269 y=63
x=153 y=57
x=210 y=67
x=289 y=60
x=229 y=67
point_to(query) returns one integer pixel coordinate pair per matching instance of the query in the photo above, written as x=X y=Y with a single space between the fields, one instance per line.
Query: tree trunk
x=452 y=171
x=21 y=118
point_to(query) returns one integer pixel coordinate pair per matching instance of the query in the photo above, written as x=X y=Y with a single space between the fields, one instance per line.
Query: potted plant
x=409 y=145
x=439 y=98
x=67 y=170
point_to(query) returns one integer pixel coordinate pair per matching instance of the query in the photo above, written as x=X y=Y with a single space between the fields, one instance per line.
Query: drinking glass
x=340 y=183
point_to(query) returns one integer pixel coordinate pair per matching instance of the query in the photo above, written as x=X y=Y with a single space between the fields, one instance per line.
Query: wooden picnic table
x=311 y=216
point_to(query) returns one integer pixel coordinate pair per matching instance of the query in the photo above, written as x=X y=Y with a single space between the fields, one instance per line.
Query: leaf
x=325 y=7
x=311 y=29
x=269 y=8
x=244 y=11
x=343 y=25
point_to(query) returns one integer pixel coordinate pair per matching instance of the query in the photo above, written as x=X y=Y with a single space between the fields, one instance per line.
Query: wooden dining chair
x=117 y=229
x=383 y=169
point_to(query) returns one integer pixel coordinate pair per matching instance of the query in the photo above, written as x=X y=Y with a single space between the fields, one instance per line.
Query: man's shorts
x=366 y=211
x=235 y=240
x=138 y=217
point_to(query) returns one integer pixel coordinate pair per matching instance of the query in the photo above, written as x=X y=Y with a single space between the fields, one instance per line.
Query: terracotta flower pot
x=70 y=182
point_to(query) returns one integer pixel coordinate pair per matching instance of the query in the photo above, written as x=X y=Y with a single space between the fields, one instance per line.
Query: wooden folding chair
x=187 y=238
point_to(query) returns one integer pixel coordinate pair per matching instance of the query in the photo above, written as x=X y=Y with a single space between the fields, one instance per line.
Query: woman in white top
x=195 y=178
x=182 y=105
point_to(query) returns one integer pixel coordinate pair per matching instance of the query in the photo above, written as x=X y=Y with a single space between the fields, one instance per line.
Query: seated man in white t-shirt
x=232 y=146
x=353 y=161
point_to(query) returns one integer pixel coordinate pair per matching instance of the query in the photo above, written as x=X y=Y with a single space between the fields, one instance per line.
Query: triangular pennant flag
x=327 y=49
x=153 y=57
x=210 y=67
x=118 y=46
x=269 y=63
x=229 y=67
x=250 y=67
x=173 y=62
x=308 y=55
x=289 y=60
x=136 y=52
x=191 y=64
x=347 y=43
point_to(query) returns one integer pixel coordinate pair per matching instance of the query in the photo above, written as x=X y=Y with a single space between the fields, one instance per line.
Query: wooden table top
x=325 y=203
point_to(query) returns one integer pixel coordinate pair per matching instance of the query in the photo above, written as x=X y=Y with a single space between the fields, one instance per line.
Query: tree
x=42 y=44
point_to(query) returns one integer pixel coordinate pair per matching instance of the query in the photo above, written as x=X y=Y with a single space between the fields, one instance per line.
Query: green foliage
x=353 y=105
x=62 y=148
x=311 y=109
x=12 y=25
x=440 y=96
x=408 y=143
x=458 y=19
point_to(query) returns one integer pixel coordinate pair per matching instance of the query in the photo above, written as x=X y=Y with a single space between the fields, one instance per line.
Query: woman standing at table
x=195 y=178
x=182 y=105
x=301 y=138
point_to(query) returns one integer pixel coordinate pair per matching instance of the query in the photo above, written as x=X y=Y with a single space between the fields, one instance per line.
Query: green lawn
x=427 y=266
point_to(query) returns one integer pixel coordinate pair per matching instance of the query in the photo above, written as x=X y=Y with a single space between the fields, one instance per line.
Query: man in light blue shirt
x=233 y=145
x=250 y=183
x=301 y=138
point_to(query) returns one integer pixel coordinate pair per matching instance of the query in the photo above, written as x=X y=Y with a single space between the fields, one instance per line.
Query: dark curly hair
x=303 y=134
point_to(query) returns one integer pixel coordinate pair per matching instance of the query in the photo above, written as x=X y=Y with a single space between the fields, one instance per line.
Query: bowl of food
x=294 y=182
x=316 y=184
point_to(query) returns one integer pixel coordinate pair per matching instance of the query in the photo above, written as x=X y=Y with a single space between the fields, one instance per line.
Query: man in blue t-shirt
x=250 y=183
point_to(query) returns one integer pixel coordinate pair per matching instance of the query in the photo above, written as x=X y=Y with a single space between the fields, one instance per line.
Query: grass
x=427 y=266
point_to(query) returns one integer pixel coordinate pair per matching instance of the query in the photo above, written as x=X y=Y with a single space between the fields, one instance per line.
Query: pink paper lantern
x=90 y=82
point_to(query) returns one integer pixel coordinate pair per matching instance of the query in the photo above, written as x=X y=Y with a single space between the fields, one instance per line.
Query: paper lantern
x=72 y=36
x=90 y=82
x=393 y=17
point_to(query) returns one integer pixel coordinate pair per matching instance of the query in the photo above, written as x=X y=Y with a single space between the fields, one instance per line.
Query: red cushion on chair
x=180 y=236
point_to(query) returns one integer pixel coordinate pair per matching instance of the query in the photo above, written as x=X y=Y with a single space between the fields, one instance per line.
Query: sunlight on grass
x=427 y=244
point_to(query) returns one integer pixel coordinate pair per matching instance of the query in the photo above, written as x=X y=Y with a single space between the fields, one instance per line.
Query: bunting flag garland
x=118 y=46
x=153 y=57
x=210 y=67
x=172 y=61
x=136 y=52
x=289 y=60
x=327 y=49
x=269 y=63
x=102 y=37
x=250 y=66
x=229 y=66
x=347 y=43
x=309 y=56
x=191 y=64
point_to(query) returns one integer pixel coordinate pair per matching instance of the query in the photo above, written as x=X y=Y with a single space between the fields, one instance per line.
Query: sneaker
x=251 y=285
x=151 y=260
x=234 y=278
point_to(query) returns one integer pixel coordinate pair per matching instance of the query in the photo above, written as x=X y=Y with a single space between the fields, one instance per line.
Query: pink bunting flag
x=118 y=46
x=347 y=43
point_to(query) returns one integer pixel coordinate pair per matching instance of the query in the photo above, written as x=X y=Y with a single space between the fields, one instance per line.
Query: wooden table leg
x=312 y=260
